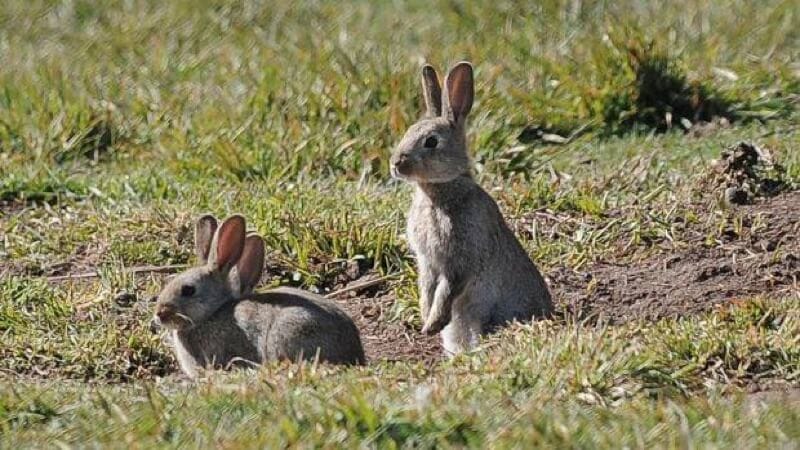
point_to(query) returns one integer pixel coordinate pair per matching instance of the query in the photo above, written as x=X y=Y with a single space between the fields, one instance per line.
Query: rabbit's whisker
x=185 y=318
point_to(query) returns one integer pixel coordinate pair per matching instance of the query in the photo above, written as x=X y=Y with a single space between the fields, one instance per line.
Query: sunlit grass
x=121 y=122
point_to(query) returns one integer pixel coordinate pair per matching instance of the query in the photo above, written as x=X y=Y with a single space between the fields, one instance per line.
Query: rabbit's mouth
x=176 y=321
x=401 y=171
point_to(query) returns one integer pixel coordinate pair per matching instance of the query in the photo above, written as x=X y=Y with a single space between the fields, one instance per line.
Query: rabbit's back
x=508 y=275
x=283 y=323
x=513 y=279
x=300 y=325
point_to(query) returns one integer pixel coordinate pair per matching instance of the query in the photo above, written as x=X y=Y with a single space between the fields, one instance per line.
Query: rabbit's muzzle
x=165 y=313
x=401 y=165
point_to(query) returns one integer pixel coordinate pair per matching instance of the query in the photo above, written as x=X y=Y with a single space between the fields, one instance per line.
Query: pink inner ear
x=460 y=89
x=251 y=263
x=230 y=242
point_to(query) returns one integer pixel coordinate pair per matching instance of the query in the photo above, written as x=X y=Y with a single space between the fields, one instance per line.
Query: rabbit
x=474 y=276
x=214 y=318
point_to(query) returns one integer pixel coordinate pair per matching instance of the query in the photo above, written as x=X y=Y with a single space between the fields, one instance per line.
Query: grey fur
x=474 y=276
x=221 y=324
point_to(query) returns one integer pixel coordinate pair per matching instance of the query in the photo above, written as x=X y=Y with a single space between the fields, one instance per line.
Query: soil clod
x=746 y=171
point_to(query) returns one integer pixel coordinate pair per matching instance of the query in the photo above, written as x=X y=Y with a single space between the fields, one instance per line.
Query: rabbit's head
x=232 y=263
x=434 y=150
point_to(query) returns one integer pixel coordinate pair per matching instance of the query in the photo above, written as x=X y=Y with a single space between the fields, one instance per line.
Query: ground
x=646 y=156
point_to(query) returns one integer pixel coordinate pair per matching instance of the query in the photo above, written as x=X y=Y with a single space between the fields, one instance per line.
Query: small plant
x=626 y=83
x=656 y=93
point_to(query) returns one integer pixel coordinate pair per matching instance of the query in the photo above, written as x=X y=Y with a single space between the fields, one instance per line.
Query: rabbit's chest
x=430 y=232
x=187 y=360
x=215 y=343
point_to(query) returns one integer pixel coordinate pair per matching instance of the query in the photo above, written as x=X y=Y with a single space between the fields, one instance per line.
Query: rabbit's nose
x=165 y=312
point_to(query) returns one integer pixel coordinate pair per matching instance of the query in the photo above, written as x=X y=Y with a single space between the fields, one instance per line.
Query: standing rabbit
x=474 y=276
x=215 y=319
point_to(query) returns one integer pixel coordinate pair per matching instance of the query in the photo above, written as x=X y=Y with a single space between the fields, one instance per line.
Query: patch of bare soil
x=759 y=258
x=384 y=337
x=9 y=207
x=784 y=394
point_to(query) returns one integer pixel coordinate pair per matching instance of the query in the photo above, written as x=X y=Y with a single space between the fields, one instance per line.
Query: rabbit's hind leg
x=460 y=335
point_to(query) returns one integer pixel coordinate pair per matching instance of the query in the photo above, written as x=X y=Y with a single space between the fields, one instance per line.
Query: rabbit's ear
x=251 y=264
x=459 y=92
x=228 y=244
x=203 y=235
x=432 y=91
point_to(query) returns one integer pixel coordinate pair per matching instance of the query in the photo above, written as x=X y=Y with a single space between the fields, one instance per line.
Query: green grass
x=121 y=122
x=547 y=384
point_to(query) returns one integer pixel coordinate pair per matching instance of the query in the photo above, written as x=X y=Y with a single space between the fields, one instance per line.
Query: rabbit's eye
x=187 y=290
x=431 y=142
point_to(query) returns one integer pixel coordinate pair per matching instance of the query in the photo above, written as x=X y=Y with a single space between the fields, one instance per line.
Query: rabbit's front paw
x=433 y=327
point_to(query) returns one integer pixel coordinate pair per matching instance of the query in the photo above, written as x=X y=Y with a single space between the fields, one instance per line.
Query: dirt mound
x=744 y=172
x=762 y=258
